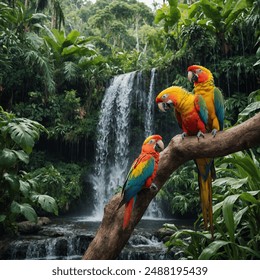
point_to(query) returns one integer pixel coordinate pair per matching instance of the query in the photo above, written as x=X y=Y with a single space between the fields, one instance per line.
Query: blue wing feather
x=219 y=107
x=139 y=173
x=201 y=107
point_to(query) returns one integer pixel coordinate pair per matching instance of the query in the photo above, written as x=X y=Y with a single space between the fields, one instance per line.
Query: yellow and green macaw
x=204 y=85
x=141 y=174
x=192 y=115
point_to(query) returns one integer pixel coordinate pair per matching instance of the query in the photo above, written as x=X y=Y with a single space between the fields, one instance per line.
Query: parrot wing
x=219 y=107
x=201 y=108
x=140 y=171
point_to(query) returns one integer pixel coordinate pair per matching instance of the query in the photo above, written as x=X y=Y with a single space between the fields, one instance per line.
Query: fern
x=33 y=58
x=71 y=71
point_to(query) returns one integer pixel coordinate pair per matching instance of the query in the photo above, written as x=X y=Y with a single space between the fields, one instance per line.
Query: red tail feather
x=128 y=211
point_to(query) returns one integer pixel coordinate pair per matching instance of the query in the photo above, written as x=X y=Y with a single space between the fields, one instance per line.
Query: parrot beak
x=164 y=106
x=159 y=146
x=192 y=77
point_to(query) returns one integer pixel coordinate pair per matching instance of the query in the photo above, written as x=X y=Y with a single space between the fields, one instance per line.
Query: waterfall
x=153 y=210
x=126 y=92
x=111 y=159
x=149 y=113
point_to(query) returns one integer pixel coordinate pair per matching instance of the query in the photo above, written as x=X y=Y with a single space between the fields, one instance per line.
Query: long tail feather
x=128 y=211
x=206 y=174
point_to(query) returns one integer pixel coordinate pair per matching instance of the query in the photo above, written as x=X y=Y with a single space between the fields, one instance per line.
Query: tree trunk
x=111 y=238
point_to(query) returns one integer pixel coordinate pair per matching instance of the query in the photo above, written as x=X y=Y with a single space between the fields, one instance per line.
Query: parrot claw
x=183 y=135
x=154 y=188
x=214 y=132
x=200 y=134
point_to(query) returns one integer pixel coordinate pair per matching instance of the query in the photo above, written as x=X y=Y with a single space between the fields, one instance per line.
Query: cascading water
x=149 y=113
x=126 y=92
x=113 y=140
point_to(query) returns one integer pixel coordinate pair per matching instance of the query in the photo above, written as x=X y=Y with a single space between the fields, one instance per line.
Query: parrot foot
x=183 y=135
x=214 y=132
x=154 y=188
x=200 y=134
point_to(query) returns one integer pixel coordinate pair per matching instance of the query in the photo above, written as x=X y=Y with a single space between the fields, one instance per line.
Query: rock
x=164 y=234
x=27 y=227
x=43 y=221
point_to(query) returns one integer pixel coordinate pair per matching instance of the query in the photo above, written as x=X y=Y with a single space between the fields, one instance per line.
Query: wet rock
x=43 y=221
x=27 y=227
x=164 y=234
x=52 y=232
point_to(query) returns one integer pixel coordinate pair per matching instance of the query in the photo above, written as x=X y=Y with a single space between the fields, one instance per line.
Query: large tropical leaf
x=238 y=8
x=71 y=38
x=8 y=158
x=211 y=10
x=250 y=109
x=47 y=203
x=24 y=209
x=25 y=132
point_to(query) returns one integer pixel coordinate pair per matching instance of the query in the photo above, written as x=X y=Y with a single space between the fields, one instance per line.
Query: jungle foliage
x=56 y=58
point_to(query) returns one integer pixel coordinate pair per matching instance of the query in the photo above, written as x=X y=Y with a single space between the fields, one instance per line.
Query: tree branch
x=111 y=238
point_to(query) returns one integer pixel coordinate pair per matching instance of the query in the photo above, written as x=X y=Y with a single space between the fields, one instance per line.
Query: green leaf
x=24 y=132
x=71 y=38
x=12 y=180
x=211 y=11
x=24 y=209
x=212 y=249
x=7 y=158
x=2 y=218
x=173 y=3
x=234 y=182
x=251 y=108
x=246 y=196
x=22 y=156
x=47 y=202
x=228 y=214
x=25 y=187
x=238 y=216
x=253 y=252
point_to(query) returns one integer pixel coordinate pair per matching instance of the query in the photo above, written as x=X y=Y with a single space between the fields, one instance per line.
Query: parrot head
x=153 y=142
x=170 y=97
x=199 y=74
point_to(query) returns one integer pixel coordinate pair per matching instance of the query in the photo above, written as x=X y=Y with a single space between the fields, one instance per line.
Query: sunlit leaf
x=212 y=249
x=228 y=214
x=47 y=203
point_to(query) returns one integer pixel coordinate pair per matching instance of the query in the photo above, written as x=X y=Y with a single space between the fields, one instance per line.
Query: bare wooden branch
x=111 y=238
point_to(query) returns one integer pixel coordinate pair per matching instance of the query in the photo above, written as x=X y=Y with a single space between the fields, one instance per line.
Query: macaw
x=204 y=85
x=192 y=115
x=141 y=174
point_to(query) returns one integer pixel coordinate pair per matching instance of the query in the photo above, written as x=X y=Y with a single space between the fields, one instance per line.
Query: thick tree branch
x=110 y=238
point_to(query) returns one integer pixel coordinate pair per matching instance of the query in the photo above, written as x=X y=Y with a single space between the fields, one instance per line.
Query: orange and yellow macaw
x=141 y=174
x=192 y=115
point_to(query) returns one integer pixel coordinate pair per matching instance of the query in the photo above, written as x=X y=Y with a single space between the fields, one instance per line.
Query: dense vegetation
x=56 y=58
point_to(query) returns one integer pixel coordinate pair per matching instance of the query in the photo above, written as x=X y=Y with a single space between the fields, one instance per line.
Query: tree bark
x=111 y=238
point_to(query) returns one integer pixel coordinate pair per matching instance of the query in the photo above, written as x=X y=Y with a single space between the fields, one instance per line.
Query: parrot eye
x=164 y=96
x=151 y=141
x=198 y=71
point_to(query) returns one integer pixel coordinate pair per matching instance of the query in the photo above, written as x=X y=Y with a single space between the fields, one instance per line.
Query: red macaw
x=141 y=174
x=192 y=115
x=204 y=85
